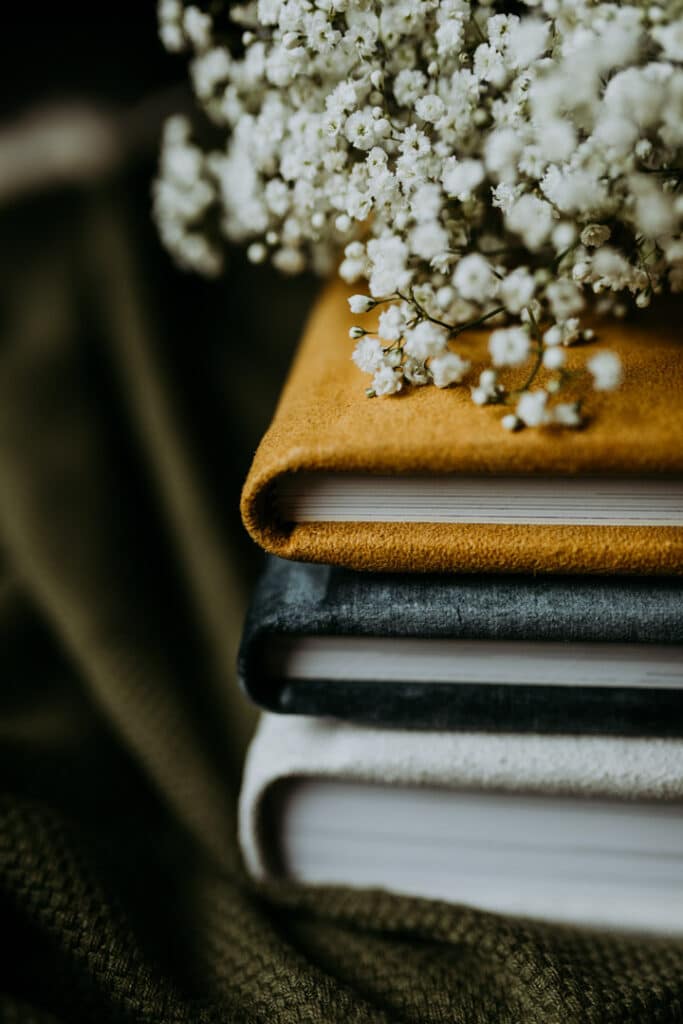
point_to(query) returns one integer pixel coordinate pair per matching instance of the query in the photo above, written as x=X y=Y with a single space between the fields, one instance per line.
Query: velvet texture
x=325 y=422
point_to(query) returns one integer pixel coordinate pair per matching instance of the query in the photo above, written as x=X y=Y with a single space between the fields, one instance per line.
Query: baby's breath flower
x=474 y=278
x=563 y=235
x=567 y=414
x=425 y=340
x=511 y=422
x=392 y=323
x=509 y=346
x=257 y=253
x=502 y=171
x=606 y=370
x=531 y=408
x=448 y=369
x=289 y=260
x=461 y=177
x=486 y=390
x=553 y=358
x=564 y=298
x=360 y=129
x=430 y=107
x=670 y=38
x=517 y=290
x=361 y=304
x=387 y=381
x=595 y=234
x=532 y=218
x=197 y=27
x=415 y=372
x=368 y=355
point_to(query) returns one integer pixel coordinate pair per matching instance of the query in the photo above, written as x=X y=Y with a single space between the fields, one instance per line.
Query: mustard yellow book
x=426 y=481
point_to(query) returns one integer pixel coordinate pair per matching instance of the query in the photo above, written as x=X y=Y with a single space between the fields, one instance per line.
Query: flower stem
x=673 y=171
x=478 y=30
x=535 y=329
x=455 y=331
x=534 y=371
x=561 y=255
x=423 y=314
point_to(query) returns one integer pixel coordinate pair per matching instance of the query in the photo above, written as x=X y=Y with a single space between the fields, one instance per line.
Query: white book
x=572 y=829
x=613 y=864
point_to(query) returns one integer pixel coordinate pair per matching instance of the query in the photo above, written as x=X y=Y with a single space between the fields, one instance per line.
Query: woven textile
x=121 y=730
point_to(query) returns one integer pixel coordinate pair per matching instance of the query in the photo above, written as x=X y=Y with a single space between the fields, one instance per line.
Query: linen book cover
x=325 y=429
x=517 y=653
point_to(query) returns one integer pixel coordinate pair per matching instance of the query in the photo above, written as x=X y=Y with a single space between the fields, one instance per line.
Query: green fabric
x=122 y=582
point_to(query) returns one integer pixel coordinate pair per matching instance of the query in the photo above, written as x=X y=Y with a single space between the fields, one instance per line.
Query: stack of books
x=469 y=645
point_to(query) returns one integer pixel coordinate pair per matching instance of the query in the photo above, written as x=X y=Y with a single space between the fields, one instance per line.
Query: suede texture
x=325 y=422
x=293 y=599
x=316 y=748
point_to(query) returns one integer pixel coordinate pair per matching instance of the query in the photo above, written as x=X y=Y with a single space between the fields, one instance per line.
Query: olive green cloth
x=121 y=729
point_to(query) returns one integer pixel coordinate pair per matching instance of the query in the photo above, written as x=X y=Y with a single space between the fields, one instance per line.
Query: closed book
x=581 y=830
x=427 y=481
x=513 y=653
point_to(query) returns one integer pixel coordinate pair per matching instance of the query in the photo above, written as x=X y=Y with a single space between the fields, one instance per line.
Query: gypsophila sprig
x=471 y=165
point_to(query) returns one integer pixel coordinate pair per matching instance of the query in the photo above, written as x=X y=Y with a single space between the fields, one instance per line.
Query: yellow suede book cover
x=325 y=423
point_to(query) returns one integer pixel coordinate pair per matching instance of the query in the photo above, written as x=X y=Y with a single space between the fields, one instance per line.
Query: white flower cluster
x=471 y=165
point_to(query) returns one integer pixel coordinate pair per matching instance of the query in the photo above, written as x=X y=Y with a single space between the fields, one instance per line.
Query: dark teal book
x=505 y=653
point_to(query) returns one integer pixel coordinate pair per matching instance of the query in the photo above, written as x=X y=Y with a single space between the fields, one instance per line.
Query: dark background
x=228 y=341
x=132 y=397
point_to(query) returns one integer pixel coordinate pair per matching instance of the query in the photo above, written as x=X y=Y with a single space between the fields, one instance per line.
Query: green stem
x=674 y=171
x=534 y=371
x=424 y=315
x=476 y=323
x=453 y=330
x=479 y=31
x=535 y=329
x=560 y=256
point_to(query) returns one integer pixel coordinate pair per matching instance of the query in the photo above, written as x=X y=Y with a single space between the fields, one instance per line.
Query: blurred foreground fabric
x=123 y=575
